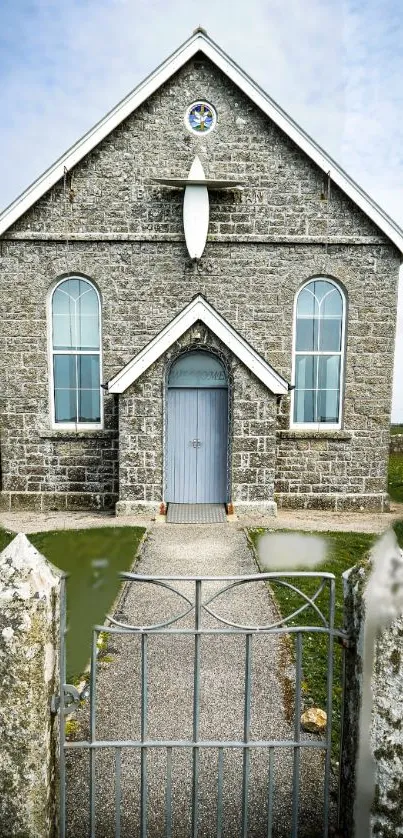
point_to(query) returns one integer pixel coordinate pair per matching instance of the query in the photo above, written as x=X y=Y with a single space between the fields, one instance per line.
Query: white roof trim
x=201 y=42
x=198 y=309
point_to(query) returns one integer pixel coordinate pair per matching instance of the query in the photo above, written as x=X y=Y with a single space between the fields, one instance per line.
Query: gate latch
x=196 y=443
x=71 y=699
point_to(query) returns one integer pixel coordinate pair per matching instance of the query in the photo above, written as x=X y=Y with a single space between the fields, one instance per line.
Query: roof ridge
x=201 y=41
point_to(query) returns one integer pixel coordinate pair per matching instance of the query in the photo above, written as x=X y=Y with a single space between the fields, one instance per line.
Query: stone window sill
x=89 y=434
x=308 y=434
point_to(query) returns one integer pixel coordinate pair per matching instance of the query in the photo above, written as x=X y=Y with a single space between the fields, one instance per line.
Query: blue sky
x=336 y=66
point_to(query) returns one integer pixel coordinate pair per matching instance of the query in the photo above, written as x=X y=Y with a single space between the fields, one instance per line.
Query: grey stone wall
x=29 y=653
x=109 y=222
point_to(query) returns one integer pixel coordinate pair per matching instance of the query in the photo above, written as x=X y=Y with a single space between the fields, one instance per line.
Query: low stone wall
x=333 y=501
x=29 y=677
x=56 y=501
x=332 y=470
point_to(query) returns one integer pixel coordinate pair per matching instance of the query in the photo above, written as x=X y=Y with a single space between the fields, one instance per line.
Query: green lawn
x=5 y=538
x=92 y=558
x=395 y=477
x=396 y=429
x=344 y=551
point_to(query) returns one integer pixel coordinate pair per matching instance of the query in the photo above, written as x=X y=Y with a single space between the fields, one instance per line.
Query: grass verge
x=395 y=477
x=5 y=537
x=92 y=558
x=345 y=549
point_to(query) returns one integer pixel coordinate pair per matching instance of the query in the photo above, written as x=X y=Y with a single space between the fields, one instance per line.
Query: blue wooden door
x=197 y=445
x=212 y=449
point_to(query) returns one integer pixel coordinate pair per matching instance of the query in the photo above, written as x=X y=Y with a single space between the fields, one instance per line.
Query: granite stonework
x=108 y=221
x=371 y=781
x=30 y=591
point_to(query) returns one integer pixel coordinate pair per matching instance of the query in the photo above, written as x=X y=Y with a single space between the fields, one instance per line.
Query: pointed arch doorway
x=197 y=430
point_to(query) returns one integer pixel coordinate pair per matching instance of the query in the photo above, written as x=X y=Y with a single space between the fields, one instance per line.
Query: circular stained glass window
x=200 y=118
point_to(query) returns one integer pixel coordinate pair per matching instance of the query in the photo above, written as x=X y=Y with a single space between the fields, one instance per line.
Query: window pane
x=330 y=335
x=88 y=336
x=75 y=316
x=64 y=332
x=64 y=367
x=73 y=287
x=62 y=301
x=88 y=371
x=332 y=302
x=328 y=406
x=89 y=406
x=197 y=369
x=329 y=372
x=65 y=406
x=305 y=372
x=319 y=288
x=306 y=301
x=307 y=334
x=87 y=303
x=304 y=405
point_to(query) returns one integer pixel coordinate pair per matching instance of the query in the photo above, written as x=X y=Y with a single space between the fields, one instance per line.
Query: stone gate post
x=29 y=642
x=372 y=751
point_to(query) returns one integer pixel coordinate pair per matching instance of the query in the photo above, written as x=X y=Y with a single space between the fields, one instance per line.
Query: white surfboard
x=196 y=211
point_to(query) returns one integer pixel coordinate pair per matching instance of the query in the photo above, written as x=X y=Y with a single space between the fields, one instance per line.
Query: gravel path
x=294 y=519
x=186 y=550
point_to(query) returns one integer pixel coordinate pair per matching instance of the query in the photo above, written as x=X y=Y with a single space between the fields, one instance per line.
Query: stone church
x=198 y=306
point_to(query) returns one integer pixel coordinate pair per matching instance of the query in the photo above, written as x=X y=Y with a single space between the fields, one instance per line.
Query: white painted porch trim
x=198 y=309
x=201 y=42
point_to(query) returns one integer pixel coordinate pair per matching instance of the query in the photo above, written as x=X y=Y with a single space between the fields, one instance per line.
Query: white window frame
x=319 y=426
x=73 y=426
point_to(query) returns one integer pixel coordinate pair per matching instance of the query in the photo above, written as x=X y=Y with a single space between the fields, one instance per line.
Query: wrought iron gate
x=198 y=619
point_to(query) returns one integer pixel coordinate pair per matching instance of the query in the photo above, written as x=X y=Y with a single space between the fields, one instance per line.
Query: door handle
x=196 y=443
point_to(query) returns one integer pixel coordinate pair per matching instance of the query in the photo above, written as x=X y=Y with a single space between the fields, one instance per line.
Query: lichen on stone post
x=29 y=654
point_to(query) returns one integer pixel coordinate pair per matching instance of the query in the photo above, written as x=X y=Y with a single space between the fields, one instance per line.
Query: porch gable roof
x=198 y=309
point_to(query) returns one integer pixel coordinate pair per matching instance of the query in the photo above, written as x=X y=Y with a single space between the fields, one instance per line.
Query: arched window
x=319 y=353
x=76 y=352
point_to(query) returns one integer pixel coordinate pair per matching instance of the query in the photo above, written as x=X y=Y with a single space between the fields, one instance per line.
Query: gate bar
x=246 y=734
x=144 y=710
x=219 y=790
x=168 y=795
x=93 y=679
x=190 y=743
x=118 y=774
x=297 y=735
x=196 y=710
x=329 y=706
x=234 y=631
x=270 y=799
x=62 y=717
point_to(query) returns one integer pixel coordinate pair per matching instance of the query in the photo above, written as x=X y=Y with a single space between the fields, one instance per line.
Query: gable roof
x=200 y=42
x=198 y=309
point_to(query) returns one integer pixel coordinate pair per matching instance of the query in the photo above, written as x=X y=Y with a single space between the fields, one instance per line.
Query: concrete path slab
x=220 y=550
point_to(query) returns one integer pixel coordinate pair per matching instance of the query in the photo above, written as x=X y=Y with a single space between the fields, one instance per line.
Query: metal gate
x=204 y=618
